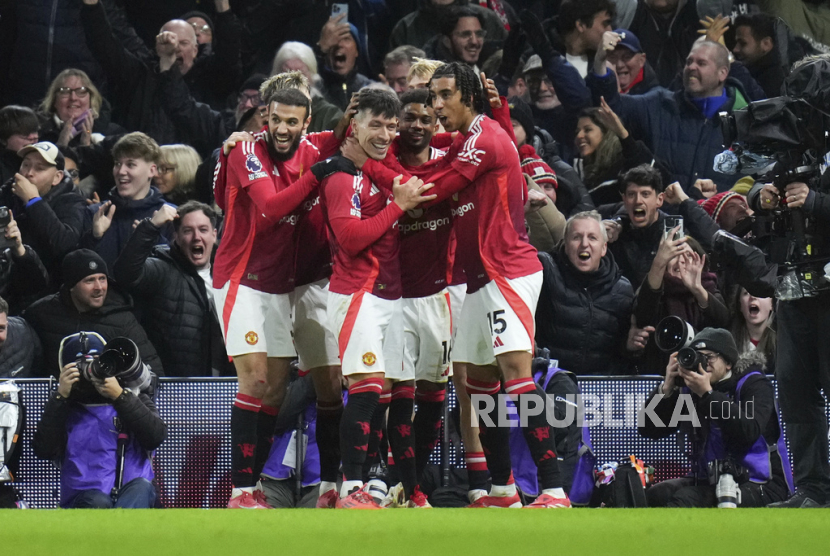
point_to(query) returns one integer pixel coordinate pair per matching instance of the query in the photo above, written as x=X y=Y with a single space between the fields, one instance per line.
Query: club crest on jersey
x=369 y=358
x=252 y=338
x=355 y=210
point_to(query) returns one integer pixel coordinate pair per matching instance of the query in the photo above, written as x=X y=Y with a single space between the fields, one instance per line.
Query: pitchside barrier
x=193 y=464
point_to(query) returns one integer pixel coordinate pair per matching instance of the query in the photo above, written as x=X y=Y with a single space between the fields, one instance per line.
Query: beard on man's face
x=285 y=156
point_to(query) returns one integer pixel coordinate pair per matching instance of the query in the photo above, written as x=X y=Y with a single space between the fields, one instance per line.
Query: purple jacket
x=90 y=458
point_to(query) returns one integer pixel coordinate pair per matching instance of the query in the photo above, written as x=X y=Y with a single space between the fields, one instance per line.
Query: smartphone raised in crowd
x=337 y=9
x=670 y=223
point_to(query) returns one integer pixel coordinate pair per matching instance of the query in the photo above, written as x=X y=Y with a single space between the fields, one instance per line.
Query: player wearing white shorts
x=364 y=293
x=496 y=326
x=314 y=341
x=426 y=272
x=254 y=279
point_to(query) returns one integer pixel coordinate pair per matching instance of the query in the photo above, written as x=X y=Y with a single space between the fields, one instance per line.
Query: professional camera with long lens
x=784 y=140
x=119 y=358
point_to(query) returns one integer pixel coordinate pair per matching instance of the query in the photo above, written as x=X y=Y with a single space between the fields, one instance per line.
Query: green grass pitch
x=401 y=532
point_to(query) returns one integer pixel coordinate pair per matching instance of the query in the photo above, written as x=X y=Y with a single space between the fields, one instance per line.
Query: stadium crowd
x=388 y=195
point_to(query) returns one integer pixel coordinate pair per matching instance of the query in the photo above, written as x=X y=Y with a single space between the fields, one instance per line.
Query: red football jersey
x=255 y=251
x=482 y=172
x=426 y=258
x=491 y=209
x=312 y=255
x=365 y=244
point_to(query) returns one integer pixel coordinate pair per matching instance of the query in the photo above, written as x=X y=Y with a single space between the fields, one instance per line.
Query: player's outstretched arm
x=276 y=205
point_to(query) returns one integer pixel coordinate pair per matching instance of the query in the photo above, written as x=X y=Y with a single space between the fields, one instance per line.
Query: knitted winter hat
x=718 y=340
x=79 y=264
x=713 y=205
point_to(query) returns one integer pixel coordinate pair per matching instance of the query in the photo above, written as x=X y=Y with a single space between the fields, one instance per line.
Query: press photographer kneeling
x=101 y=425
x=738 y=434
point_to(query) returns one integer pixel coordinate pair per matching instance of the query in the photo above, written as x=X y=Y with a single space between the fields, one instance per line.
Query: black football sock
x=328 y=438
x=378 y=424
x=401 y=439
x=244 y=417
x=427 y=424
x=537 y=433
x=495 y=441
x=355 y=426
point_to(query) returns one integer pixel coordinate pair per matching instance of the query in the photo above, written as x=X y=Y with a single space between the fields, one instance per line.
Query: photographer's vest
x=757 y=460
x=279 y=466
x=525 y=472
x=91 y=455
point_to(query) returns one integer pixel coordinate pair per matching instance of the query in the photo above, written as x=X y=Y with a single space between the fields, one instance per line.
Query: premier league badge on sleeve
x=253 y=164
x=355 y=210
x=254 y=167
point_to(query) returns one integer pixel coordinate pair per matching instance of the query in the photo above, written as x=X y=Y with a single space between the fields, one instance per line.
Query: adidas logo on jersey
x=498 y=343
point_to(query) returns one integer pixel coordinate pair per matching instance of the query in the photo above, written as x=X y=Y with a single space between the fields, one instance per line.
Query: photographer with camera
x=101 y=425
x=735 y=458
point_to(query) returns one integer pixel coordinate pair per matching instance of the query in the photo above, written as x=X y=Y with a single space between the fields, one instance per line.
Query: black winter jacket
x=337 y=88
x=208 y=127
x=55 y=317
x=666 y=41
x=648 y=83
x=673 y=128
x=178 y=314
x=769 y=73
x=21 y=355
x=9 y=164
x=135 y=94
x=46 y=37
x=583 y=318
x=51 y=226
x=22 y=279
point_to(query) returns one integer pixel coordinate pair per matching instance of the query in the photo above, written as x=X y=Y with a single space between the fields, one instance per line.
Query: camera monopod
x=123 y=437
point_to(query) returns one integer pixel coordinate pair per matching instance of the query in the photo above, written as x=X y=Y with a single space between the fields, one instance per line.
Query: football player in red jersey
x=316 y=346
x=364 y=303
x=254 y=279
x=496 y=325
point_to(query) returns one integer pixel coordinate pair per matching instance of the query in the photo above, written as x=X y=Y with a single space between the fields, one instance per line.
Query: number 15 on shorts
x=497 y=324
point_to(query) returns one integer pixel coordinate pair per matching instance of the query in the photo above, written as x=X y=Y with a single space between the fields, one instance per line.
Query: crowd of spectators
x=112 y=115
